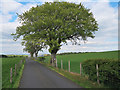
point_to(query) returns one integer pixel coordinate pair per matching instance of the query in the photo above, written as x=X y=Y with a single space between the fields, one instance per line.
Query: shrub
x=41 y=58
x=109 y=71
x=3 y=56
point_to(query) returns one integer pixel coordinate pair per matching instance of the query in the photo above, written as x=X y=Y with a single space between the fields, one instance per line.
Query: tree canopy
x=57 y=22
x=33 y=46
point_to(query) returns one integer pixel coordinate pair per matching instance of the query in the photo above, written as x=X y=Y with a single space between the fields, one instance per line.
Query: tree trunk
x=31 y=54
x=36 y=54
x=53 y=58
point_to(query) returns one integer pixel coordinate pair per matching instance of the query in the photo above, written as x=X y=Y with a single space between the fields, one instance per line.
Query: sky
x=104 y=11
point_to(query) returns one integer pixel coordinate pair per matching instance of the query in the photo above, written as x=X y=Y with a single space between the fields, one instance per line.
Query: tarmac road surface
x=36 y=75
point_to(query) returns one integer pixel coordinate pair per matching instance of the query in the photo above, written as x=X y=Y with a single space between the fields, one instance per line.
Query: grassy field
x=7 y=63
x=75 y=59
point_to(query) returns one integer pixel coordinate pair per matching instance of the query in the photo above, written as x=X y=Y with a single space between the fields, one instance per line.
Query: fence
x=80 y=68
x=14 y=72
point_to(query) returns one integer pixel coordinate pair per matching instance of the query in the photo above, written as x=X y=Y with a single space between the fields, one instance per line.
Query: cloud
x=9 y=6
x=12 y=49
x=107 y=18
x=77 y=1
x=6 y=28
x=26 y=7
x=90 y=47
x=34 y=1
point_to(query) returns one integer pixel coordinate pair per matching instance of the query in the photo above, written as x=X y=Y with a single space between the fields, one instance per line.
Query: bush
x=41 y=58
x=109 y=71
x=3 y=56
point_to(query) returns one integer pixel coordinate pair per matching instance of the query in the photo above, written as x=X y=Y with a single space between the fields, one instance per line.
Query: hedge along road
x=35 y=75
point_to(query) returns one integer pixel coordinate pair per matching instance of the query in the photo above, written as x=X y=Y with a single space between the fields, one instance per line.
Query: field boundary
x=80 y=69
x=14 y=74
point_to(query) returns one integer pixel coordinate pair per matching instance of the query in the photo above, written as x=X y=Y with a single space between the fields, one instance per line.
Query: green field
x=7 y=63
x=75 y=59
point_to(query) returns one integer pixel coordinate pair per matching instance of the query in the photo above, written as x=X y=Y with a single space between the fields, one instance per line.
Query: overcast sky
x=104 y=11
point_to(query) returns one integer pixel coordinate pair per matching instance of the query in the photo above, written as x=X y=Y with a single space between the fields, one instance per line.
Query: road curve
x=35 y=75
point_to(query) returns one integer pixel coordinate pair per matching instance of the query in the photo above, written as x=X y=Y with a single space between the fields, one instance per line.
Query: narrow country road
x=35 y=75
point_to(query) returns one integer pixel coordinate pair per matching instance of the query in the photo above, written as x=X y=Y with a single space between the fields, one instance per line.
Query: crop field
x=7 y=63
x=75 y=59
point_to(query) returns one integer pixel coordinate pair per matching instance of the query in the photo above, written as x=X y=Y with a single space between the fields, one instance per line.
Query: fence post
x=11 y=75
x=52 y=62
x=15 y=69
x=80 y=69
x=97 y=74
x=69 y=65
x=21 y=61
x=56 y=63
x=61 y=65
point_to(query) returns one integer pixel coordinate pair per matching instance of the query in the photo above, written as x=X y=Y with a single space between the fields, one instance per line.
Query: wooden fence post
x=52 y=62
x=21 y=61
x=11 y=75
x=15 y=69
x=69 y=65
x=61 y=65
x=97 y=74
x=80 y=69
x=56 y=63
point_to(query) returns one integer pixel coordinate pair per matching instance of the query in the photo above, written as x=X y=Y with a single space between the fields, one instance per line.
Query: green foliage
x=29 y=47
x=109 y=71
x=41 y=58
x=57 y=22
x=33 y=46
x=12 y=56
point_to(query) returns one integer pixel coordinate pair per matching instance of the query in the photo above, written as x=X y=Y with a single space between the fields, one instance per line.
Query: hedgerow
x=109 y=71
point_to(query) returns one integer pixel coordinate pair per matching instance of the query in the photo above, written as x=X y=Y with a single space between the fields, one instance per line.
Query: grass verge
x=7 y=64
x=16 y=85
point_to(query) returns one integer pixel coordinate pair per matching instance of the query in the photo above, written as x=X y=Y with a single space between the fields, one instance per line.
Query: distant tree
x=3 y=56
x=57 y=22
x=33 y=46
x=29 y=47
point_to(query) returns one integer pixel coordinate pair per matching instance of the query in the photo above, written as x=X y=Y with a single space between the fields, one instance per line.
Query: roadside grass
x=18 y=78
x=76 y=59
x=83 y=81
x=7 y=63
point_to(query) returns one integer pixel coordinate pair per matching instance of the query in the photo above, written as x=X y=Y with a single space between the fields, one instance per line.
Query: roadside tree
x=56 y=23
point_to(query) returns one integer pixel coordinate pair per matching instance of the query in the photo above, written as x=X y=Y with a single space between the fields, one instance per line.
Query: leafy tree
x=29 y=48
x=57 y=22
x=32 y=46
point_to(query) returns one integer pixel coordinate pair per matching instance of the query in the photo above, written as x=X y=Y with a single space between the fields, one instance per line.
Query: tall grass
x=7 y=63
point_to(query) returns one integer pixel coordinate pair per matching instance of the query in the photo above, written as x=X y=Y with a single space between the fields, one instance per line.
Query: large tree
x=57 y=22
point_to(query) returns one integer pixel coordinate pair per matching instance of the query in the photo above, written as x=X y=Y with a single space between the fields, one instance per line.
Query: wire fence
x=71 y=67
x=14 y=73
